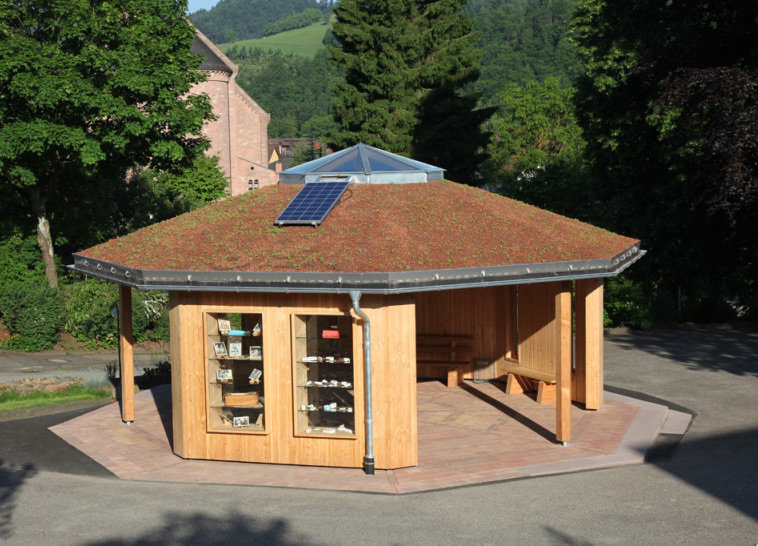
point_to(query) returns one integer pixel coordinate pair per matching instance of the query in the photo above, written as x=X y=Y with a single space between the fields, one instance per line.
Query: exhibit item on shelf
x=256 y=352
x=220 y=348
x=241 y=421
x=224 y=325
x=241 y=399
x=237 y=333
x=257 y=329
x=235 y=350
x=255 y=376
x=224 y=376
x=324 y=375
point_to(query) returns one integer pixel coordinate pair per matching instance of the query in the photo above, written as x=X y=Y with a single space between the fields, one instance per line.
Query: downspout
x=368 y=460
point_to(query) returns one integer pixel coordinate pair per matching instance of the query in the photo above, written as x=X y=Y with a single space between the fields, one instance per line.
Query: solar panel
x=312 y=203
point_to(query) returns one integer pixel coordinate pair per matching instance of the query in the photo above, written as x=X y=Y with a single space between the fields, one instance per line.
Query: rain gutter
x=368 y=460
x=366 y=283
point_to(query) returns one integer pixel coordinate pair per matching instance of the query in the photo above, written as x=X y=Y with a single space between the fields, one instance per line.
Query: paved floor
x=468 y=435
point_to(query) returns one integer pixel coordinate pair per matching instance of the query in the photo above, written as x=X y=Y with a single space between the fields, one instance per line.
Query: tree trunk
x=44 y=239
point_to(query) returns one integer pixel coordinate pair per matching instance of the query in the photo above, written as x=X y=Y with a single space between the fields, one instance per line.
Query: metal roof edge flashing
x=378 y=283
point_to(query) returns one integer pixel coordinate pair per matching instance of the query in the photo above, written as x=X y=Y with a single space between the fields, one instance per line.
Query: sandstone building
x=239 y=135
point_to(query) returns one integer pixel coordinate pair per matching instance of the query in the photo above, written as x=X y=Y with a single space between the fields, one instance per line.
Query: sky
x=195 y=5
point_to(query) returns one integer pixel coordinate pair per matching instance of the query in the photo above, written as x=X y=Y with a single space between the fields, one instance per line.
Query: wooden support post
x=563 y=363
x=510 y=323
x=127 y=354
x=589 y=343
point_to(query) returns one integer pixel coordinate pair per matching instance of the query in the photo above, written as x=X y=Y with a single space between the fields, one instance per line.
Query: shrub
x=20 y=261
x=89 y=304
x=150 y=315
x=33 y=312
x=89 y=316
x=627 y=304
x=152 y=377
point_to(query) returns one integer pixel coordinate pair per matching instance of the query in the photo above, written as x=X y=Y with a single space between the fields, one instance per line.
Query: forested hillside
x=522 y=41
x=232 y=20
x=295 y=90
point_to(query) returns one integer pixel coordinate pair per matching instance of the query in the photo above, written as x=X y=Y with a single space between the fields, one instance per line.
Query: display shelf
x=323 y=353
x=306 y=386
x=345 y=409
x=250 y=406
x=237 y=373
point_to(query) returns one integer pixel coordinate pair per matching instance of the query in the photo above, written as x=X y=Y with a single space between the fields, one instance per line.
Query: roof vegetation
x=373 y=228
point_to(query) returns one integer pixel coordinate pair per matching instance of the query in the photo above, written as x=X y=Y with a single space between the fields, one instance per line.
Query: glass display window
x=235 y=372
x=323 y=375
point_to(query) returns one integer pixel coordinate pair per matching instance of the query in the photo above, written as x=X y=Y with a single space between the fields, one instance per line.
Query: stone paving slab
x=468 y=435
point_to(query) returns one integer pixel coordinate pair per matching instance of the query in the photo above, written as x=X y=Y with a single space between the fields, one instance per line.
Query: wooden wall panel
x=486 y=314
x=279 y=444
x=538 y=330
x=393 y=362
x=188 y=351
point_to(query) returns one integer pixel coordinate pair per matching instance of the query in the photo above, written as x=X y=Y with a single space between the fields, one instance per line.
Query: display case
x=323 y=376
x=235 y=373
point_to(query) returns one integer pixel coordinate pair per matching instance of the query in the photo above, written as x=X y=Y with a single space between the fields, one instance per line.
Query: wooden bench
x=453 y=352
x=521 y=379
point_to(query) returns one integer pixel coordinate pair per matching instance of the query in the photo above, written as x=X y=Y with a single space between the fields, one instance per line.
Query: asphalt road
x=705 y=493
x=90 y=366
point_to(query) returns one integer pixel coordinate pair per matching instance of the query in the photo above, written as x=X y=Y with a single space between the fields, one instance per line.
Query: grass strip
x=11 y=400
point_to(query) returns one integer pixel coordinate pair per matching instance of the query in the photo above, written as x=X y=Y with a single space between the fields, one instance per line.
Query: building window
x=255 y=185
x=249 y=185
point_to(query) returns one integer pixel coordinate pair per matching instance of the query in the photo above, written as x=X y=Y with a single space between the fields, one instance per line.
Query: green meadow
x=302 y=41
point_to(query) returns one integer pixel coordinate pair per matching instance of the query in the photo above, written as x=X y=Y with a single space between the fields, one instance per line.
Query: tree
x=669 y=105
x=96 y=87
x=403 y=59
x=523 y=40
x=536 y=151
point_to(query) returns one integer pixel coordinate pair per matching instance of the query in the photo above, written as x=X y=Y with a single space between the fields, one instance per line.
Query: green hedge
x=89 y=314
x=33 y=312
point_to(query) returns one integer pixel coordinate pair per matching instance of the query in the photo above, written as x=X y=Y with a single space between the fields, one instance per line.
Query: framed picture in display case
x=224 y=325
x=220 y=348
x=235 y=350
x=224 y=376
x=241 y=421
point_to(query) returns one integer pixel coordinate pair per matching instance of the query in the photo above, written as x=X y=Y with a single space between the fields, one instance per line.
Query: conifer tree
x=405 y=63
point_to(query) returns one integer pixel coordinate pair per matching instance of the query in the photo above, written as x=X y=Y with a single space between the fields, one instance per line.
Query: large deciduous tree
x=89 y=86
x=669 y=105
x=405 y=64
x=536 y=151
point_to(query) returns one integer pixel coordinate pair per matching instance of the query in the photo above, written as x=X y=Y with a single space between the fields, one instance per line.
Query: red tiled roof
x=374 y=228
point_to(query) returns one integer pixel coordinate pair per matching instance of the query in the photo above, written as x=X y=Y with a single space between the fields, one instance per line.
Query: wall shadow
x=162 y=399
x=732 y=351
x=11 y=480
x=200 y=529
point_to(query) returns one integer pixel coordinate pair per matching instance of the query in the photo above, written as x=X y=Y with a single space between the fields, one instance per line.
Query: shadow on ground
x=201 y=529
x=11 y=480
x=717 y=350
x=725 y=466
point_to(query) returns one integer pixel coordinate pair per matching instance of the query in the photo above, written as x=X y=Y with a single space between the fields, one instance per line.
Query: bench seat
x=453 y=352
